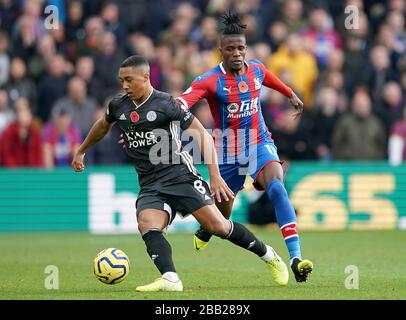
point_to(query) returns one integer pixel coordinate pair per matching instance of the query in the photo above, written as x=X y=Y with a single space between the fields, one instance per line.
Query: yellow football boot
x=161 y=284
x=279 y=270
x=198 y=244
x=301 y=269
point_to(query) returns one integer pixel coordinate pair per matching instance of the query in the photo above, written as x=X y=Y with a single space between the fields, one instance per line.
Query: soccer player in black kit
x=169 y=182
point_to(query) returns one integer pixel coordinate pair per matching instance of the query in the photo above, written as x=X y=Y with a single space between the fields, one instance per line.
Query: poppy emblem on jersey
x=233 y=107
x=242 y=86
x=151 y=116
x=134 y=116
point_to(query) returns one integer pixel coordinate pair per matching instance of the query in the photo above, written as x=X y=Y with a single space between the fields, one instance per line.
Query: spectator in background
x=262 y=52
x=89 y=43
x=218 y=7
x=292 y=16
x=45 y=50
x=84 y=69
x=78 y=104
x=335 y=80
x=198 y=63
x=107 y=151
x=396 y=23
x=4 y=59
x=164 y=56
x=74 y=21
x=107 y=61
x=356 y=43
x=111 y=18
x=335 y=62
x=391 y=107
x=33 y=9
x=359 y=135
x=8 y=15
x=24 y=38
x=397 y=141
x=178 y=33
x=294 y=137
x=6 y=113
x=20 y=143
x=325 y=118
x=380 y=72
x=52 y=86
x=206 y=35
x=60 y=139
x=256 y=14
x=355 y=62
x=252 y=32
x=397 y=5
x=59 y=36
x=320 y=37
x=19 y=85
x=276 y=34
x=186 y=10
x=143 y=45
x=302 y=66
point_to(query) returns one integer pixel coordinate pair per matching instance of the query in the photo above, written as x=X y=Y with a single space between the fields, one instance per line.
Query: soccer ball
x=111 y=266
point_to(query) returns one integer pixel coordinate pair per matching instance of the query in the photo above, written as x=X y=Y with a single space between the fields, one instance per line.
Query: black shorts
x=184 y=195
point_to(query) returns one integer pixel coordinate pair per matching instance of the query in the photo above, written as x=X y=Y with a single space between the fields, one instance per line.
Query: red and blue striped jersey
x=235 y=104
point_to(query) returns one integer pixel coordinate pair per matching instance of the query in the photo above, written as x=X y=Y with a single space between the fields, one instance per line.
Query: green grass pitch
x=223 y=271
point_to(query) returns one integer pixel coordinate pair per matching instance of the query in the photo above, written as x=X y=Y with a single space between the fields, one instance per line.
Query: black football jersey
x=152 y=135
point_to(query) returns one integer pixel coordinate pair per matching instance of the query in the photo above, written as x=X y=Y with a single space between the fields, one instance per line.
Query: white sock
x=270 y=253
x=291 y=260
x=171 y=276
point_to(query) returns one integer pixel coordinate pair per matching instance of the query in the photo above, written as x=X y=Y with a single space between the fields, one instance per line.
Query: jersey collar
x=224 y=70
x=139 y=105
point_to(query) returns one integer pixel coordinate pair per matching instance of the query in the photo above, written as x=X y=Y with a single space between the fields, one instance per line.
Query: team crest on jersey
x=242 y=86
x=257 y=84
x=233 y=107
x=134 y=116
x=151 y=116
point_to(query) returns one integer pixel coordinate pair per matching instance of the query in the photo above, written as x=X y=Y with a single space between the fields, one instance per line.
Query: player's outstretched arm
x=273 y=82
x=99 y=129
x=218 y=186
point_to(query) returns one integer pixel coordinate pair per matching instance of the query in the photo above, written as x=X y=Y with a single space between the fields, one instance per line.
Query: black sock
x=244 y=238
x=203 y=234
x=159 y=250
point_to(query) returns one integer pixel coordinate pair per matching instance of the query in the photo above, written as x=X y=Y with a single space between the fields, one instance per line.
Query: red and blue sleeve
x=193 y=94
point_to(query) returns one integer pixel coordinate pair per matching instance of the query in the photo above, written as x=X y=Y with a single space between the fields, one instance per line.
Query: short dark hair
x=134 y=61
x=231 y=24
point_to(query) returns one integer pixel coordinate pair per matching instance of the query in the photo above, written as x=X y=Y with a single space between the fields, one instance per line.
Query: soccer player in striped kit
x=244 y=144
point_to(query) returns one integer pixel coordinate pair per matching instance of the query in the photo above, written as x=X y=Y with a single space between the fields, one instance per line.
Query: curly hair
x=231 y=24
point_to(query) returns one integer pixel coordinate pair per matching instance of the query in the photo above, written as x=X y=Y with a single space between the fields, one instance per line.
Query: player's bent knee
x=145 y=226
x=152 y=219
x=142 y=227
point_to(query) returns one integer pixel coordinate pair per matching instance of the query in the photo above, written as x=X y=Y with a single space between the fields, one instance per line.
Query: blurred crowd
x=345 y=59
